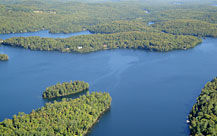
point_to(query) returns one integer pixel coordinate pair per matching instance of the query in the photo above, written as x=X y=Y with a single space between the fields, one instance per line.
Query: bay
x=152 y=92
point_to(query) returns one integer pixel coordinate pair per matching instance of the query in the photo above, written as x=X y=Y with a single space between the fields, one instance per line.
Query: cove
x=152 y=92
x=44 y=33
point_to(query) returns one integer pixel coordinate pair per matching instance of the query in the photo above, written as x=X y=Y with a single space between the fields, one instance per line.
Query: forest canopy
x=188 y=27
x=68 y=117
x=121 y=26
x=108 y=20
x=73 y=16
x=87 y=43
x=66 y=88
x=203 y=116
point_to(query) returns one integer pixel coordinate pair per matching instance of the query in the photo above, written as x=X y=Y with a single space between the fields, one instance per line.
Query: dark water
x=44 y=33
x=152 y=92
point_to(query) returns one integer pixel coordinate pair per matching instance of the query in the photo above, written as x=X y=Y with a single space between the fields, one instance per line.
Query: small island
x=3 y=57
x=68 y=117
x=203 y=116
x=65 y=88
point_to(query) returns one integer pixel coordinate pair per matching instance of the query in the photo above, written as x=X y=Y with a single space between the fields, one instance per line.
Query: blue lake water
x=152 y=93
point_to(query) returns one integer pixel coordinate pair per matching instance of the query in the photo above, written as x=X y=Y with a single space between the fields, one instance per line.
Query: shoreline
x=97 y=120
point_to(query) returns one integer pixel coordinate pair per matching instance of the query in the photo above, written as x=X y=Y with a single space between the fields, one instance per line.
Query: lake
x=152 y=92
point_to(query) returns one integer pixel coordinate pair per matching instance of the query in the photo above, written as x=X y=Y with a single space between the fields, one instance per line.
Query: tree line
x=203 y=116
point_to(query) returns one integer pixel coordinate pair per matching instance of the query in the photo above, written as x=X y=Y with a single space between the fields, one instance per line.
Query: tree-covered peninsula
x=87 y=43
x=3 y=57
x=121 y=26
x=66 y=88
x=203 y=117
x=188 y=27
x=68 y=117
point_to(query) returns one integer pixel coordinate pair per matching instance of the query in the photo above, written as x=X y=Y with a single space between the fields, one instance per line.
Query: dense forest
x=73 y=16
x=87 y=43
x=66 y=88
x=3 y=57
x=62 y=17
x=203 y=117
x=118 y=24
x=114 y=24
x=188 y=27
x=121 y=26
x=176 y=27
x=68 y=117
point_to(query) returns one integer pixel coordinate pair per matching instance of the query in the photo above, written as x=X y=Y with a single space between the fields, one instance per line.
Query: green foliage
x=203 y=117
x=121 y=20
x=193 y=11
x=3 y=57
x=66 y=118
x=121 y=26
x=62 y=17
x=88 y=43
x=72 y=16
x=188 y=27
x=65 y=88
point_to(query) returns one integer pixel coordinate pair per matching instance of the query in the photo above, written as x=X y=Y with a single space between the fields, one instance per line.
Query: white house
x=80 y=47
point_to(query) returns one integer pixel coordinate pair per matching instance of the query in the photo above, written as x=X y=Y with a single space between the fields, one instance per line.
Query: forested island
x=3 y=57
x=66 y=88
x=203 y=117
x=87 y=43
x=68 y=117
